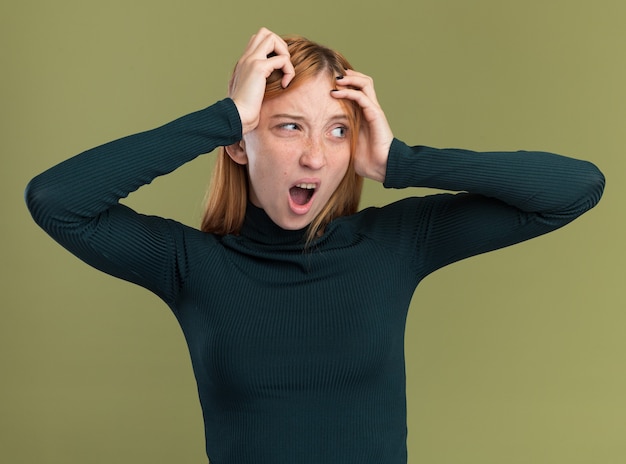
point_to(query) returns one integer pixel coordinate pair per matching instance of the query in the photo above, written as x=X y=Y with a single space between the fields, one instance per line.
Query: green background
x=517 y=356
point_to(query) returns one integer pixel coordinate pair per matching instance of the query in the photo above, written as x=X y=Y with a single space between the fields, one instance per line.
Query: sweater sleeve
x=77 y=201
x=503 y=198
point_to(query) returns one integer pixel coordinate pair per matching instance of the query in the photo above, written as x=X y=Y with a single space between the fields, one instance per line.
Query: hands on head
x=264 y=53
x=375 y=136
x=267 y=52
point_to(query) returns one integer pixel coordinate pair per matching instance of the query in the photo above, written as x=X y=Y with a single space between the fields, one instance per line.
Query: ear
x=237 y=152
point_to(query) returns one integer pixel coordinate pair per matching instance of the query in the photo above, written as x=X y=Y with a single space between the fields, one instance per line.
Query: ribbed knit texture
x=299 y=352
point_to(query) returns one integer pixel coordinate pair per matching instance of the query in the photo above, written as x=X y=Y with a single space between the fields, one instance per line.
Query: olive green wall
x=517 y=356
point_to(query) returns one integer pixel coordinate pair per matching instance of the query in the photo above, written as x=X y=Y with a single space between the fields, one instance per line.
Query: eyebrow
x=296 y=117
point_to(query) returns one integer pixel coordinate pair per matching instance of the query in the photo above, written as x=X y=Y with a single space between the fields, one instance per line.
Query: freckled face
x=298 y=154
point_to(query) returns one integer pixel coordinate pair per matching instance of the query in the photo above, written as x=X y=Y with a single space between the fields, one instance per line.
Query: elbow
x=584 y=188
x=594 y=183
x=34 y=198
x=40 y=201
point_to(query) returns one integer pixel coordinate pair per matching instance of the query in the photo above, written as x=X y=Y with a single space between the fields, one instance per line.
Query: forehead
x=310 y=99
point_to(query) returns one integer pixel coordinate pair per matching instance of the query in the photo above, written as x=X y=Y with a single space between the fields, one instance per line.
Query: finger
x=256 y=39
x=277 y=51
x=266 y=45
x=371 y=108
x=262 y=45
x=288 y=73
x=282 y=62
x=355 y=80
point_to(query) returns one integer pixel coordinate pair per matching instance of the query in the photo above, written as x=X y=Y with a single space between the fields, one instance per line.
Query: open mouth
x=301 y=194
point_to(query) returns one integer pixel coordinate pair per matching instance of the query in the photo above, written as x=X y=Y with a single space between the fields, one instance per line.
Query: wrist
x=247 y=124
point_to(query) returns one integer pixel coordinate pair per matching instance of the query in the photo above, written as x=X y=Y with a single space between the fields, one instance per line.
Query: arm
x=508 y=197
x=77 y=201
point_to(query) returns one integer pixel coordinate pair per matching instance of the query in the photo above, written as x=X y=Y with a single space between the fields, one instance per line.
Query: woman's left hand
x=375 y=135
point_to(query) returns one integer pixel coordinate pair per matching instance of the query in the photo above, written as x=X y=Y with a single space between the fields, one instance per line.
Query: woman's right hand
x=247 y=85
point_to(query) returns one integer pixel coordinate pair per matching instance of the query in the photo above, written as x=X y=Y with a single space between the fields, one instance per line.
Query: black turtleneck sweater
x=299 y=352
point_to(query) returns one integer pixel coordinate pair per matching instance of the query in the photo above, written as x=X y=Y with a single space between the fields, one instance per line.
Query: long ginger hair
x=227 y=196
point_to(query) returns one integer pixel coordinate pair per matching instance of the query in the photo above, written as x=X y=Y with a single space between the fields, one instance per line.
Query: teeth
x=306 y=186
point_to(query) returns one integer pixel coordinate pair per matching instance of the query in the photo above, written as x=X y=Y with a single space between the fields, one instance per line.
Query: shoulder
x=403 y=213
x=398 y=224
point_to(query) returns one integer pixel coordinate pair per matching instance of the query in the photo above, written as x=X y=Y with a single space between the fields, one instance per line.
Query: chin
x=294 y=222
x=294 y=225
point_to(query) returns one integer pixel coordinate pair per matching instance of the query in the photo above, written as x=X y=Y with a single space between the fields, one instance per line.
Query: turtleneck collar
x=260 y=228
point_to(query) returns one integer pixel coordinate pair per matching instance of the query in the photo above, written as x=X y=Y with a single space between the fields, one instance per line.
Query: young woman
x=293 y=304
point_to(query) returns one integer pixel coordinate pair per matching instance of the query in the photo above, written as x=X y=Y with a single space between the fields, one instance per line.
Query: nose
x=313 y=154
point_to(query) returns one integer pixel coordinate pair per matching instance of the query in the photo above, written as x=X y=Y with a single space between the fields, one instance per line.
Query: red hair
x=228 y=191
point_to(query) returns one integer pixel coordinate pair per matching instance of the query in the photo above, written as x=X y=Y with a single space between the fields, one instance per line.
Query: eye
x=340 y=132
x=289 y=126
